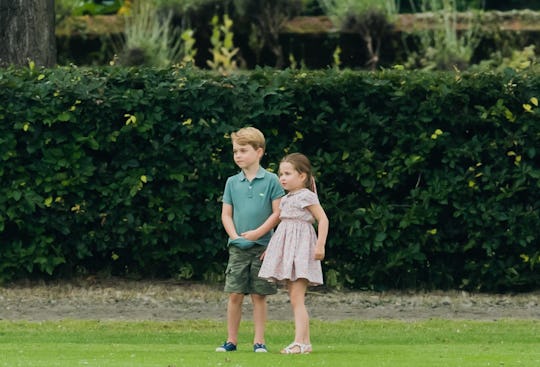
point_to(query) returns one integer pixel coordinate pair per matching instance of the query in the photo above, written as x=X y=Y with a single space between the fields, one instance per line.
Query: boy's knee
x=236 y=298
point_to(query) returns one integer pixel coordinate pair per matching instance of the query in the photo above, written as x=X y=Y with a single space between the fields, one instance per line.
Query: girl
x=295 y=251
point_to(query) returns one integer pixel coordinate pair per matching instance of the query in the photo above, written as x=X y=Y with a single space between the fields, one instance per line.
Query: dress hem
x=284 y=280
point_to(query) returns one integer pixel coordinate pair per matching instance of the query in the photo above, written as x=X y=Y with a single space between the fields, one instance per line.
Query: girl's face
x=245 y=156
x=290 y=178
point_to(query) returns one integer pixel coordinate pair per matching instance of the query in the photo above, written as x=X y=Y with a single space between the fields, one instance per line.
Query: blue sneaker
x=226 y=347
x=259 y=348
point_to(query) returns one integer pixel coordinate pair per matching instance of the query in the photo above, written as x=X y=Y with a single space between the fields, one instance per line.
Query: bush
x=429 y=179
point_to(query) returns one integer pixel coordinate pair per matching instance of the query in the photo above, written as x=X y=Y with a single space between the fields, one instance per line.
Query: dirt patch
x=121 y=299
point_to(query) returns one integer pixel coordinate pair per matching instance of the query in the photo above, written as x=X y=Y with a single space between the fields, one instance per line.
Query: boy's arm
x=227 y=221
x=269 y=223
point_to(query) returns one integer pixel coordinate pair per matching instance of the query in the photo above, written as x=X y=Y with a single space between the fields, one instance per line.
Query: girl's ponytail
x=312 y=185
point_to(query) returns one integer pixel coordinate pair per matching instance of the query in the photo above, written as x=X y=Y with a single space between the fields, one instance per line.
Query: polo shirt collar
x=260 y=174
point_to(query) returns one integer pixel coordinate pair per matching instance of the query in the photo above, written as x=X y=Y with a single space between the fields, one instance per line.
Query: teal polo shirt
x=252 y=201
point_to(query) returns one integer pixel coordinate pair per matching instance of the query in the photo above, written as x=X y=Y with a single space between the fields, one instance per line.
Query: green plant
x=266 y=20
x=339 y=10
x=92 y=7
x=182 y=6
x=336 y=56
x=223 y=50
x=524 y=60
x=370 y=18
x=188 y=46
x=149 y=38
x=294 y=64
x=443 y=46
x=63 y=9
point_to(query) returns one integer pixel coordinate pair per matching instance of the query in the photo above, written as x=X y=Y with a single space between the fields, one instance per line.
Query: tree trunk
x=27 y=32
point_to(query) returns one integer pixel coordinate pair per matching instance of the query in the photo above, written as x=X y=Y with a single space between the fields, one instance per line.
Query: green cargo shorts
x=242 y=274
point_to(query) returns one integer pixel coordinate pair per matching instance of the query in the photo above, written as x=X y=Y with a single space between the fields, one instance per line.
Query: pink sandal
x=297 y=348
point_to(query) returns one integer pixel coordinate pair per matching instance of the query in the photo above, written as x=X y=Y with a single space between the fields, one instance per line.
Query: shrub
x=429 y=179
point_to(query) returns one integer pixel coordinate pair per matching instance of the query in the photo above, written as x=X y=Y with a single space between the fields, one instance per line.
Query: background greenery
x=361 y=34
x=430 y=180
x=309 y=7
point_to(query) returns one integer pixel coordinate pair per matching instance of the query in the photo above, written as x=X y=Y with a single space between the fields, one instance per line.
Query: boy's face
x=245 y=156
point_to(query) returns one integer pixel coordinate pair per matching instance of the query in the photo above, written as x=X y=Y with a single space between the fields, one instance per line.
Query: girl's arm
x=227 y=220
x=322 y=230
x=271 y=222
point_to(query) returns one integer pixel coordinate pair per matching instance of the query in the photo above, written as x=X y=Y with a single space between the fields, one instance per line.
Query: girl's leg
x=259 y=317
x=297 y=294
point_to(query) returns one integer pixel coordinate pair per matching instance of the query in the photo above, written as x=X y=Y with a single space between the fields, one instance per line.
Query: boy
x=249 y=214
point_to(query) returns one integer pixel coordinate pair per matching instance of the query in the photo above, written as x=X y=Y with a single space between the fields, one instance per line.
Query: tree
x=267 y=19
x=371 y=19
x=27 y=32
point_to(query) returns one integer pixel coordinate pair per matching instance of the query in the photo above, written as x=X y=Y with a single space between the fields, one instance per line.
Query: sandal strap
x=306 y=348
x=297 y=348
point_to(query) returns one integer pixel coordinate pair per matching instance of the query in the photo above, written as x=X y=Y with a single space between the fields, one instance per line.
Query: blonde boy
x=249 y=214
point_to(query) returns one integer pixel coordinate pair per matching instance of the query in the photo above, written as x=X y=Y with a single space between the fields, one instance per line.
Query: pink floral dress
x=291 y=251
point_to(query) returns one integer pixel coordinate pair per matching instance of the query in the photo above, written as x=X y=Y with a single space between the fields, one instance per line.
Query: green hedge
x=429 y=180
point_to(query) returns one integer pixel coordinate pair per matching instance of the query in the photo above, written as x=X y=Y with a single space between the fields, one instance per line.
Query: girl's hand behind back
x=319 y=252
x=322 y=229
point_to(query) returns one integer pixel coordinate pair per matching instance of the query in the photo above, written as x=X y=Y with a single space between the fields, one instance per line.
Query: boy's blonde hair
x=251 y=136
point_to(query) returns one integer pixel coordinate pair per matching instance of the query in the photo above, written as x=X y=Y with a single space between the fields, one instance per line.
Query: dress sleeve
x=308 y=198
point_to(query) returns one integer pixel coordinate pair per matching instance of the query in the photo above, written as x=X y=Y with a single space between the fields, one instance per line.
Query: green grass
x=346 y=343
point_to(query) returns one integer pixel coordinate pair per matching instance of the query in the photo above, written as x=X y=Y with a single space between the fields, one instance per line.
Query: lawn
x=445 y=343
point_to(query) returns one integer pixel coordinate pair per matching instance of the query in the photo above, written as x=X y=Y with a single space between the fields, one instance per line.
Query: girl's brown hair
x=302 y=164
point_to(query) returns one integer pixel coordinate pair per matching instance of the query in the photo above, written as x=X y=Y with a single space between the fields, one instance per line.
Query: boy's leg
x=260 y=288
x=259 y=317
x=236 y=284
x=234 y=315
